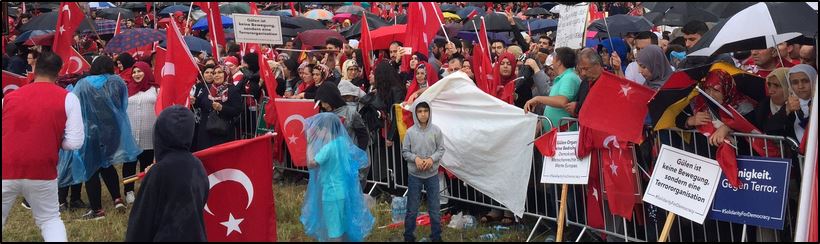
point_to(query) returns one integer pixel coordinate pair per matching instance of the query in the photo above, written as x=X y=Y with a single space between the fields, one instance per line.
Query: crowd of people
x=552 y=81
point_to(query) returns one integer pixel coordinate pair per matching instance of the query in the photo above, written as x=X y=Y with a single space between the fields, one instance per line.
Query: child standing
x=334 y=208
x=423 y=148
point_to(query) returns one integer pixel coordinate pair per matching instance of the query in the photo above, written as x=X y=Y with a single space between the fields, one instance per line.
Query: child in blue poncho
x=334 y=208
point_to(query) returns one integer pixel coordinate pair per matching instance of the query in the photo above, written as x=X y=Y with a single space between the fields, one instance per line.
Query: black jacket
x=173 y=194
x=231 y=109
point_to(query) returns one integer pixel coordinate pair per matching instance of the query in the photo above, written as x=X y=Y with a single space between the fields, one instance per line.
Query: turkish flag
x=215 y=31
x=76 y=63
x=595 y=202
x=68 y=20
x=291 y=114
x=118 y=27
x=546 y=143
x=292 y=10
x=179 y=72
x=728 y=163
x=617 y=165
x=243 y=208
x=616 y=106
x=423 y=22
x=366 y=45
x=142 y=52
x=12 y=81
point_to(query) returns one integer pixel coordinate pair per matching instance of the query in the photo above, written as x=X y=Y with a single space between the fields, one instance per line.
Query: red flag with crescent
x=242 y=209
x=178 y=74
x=68 y=20
x=291 y=115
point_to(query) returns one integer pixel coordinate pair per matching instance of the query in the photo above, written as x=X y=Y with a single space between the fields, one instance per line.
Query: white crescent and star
x=78 y=61
x=614 y=168
x=65 y=8
x=292 y=138
x=168 y=69
x=232 y=224
x=234 y=175
x=10 y=87
x=595 y=193
x=613 y=140
x=625 y=89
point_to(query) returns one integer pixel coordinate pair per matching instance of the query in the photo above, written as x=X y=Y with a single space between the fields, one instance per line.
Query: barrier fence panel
x=388 y=169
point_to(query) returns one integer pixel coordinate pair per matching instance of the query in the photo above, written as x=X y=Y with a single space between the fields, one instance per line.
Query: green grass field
x=20 y=224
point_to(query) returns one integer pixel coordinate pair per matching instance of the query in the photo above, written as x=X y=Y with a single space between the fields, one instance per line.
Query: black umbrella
x=677 y=13
x=352 y=9
x=135 y=6
x=400 y=20
x=548 y=5
x=373 y=22
x=301 y=23
x=723 y=9
x=464 y=12
x=452 y=8
x=195 y=44
x=48 y=21
x=620 y=24
x=173 y=8
x=496 y=22
x=112 y=13
x=758 y=27
x=536 y=11
x=234 y=8
x=43 y=7
x=28 y=35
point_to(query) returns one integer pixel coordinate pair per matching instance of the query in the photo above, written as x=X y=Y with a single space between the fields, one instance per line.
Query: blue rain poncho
x=334 y=206
x=108 y=139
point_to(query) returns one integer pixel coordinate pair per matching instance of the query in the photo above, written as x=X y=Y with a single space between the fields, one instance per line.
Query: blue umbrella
x=202 y=23
x=541 y=25
x=472 y=37
x=171 y=9
x=133 y=38
x=195 y=44
x=469 y=9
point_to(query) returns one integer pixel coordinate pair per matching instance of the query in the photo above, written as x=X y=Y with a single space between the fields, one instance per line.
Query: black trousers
x=93 y=187
x=129 y=169
x=62 y=193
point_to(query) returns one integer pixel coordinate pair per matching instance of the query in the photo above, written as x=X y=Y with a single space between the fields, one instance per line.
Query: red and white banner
x=291 y=114
x=241 y=209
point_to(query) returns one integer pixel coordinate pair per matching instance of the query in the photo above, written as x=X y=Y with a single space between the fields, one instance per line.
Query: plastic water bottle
x=469 y=221
x=399 y=208
x=500 y=227
x=488 y=237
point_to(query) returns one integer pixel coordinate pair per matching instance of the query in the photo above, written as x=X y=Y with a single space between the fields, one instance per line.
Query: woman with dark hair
x=250 y=84
x=124 y=65
x=222 y=98
x=104 y=99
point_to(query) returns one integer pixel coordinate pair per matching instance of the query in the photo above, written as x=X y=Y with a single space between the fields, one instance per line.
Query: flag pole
x=441 y=24
x=780 y=58
x=190 y=9
x=667 y=227
x=562 y=214
x=489 y=52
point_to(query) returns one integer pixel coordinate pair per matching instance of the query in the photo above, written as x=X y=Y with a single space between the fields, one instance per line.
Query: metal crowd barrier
x=388 y=169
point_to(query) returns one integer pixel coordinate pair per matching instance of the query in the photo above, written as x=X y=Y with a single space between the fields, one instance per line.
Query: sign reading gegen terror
x=257 y=29
x=761 y=198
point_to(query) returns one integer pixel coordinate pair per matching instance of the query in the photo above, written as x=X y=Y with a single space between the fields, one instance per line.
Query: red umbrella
x=317 y=38
x=382 y=37
x=345 y=16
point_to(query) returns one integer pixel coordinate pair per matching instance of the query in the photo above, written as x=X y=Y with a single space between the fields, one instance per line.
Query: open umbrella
x=495 y=22
x=282 y=13
x=345 y=16
x=536 y=11
x=350 y=9
x=448 y=15
x=677 y=13
x=173 y=8
x=382 y=37
x=42 y=40
x=234 y=8
x=301 y=23
x=43 y=7
x=472 y=37
x=195 y=44
x=758 y=27
x=373 y=22
x=134 y=6
x=202 y=23
x=464 y=12
x=28 y=35
x=621 y=24
x=541 y=25
x=317 y=38
x=318 y=14
x=101 y=5
x=103 y=27
x=452 y=8
x=47 y=21
x=112 y=13
x=134 y=38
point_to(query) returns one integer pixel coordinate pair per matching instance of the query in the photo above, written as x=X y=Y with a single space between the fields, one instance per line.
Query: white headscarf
x=804 y=104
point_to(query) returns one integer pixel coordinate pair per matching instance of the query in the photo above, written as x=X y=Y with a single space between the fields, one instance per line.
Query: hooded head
x=173 y=131
x=422 y=112
x=328 y=94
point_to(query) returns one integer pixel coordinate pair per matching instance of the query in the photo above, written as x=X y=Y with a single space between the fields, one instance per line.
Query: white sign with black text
x=565 y=167
x=572 y=26
x=683 y=183
x=260 y=29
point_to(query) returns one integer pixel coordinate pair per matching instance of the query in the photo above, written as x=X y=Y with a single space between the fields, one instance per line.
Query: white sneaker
x=129 y=197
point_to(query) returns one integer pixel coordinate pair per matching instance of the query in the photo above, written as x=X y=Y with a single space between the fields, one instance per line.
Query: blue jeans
x=414 y=185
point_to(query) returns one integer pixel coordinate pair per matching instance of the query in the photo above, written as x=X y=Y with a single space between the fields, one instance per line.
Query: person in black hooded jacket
x=175 y=189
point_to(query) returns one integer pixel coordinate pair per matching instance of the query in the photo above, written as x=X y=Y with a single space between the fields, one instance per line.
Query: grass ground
x=289 y=196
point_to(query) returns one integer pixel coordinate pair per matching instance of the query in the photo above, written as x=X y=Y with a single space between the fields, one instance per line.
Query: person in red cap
x=233 y=68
